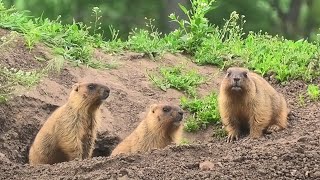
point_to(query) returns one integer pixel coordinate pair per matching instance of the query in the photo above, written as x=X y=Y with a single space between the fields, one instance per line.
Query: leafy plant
x=204 y=112
x=195 y=29
x=301 y=100
x=263 y=53
x=179 y=78
x=148 y=41
x=9 y=78
x=313 y=91
x=73 y=41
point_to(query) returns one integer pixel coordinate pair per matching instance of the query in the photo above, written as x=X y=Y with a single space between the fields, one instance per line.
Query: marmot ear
x=153 y=107
x=75 y=87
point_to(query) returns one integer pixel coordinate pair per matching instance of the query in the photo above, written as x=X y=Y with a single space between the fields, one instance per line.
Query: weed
x=301 y=101
x=220 y=132
x=115 y=44
x=96 y=14
x=9 y=78
x=148 y=41
x=23 y=78
x=313 y=91
x=73 y=40
x=204 y=111
x=195 y=29
x=260 y=52
x=178 y=77
x=184 y=141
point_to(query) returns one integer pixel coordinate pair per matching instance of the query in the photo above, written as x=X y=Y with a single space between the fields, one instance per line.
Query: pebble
x=316 y=174
x=206 y=166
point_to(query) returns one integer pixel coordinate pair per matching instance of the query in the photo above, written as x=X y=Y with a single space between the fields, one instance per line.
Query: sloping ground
x=290 y=154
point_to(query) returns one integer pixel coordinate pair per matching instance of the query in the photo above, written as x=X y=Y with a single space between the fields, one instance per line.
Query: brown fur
x=70 y=131
x=249 y=102
x=161 y=127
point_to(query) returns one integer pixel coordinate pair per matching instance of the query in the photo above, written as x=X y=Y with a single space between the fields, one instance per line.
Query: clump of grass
x=204 y=112
x=193 y=31
x=178 y=77
x=72 y=41
x=220 y=132
x=149 y=41
x=301 y=101
x=313 y=92
x=9 y=78
x=20 y=77
x=184 y=141
x=260 y=52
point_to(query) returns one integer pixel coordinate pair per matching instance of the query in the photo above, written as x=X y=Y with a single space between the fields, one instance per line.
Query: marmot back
x=161 y=127
x=249 y=102
x=71 y=129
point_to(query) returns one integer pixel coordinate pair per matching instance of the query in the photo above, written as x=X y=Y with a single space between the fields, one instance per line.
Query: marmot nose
x=181 y=113
x=105 y=93
x=236 y=79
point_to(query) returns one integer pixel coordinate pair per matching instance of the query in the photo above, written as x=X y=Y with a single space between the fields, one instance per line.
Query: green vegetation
x=184 y=141
x=72 y=41
x=12 y=77
x=292 y=18
x=313 y=91
x=178 y=77
x=204 y=112
x=301 y=101
x=220 y=132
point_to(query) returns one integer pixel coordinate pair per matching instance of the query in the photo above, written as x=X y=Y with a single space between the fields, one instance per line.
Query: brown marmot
x=248 y=102
x=71 y=130
x=161 y=127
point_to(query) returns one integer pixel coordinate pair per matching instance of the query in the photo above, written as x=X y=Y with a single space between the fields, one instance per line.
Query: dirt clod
x=206 y=166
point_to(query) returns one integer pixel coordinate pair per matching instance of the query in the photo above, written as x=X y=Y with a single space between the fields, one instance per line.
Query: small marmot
x=161 y=127
x=247 y=102
x=71 y=130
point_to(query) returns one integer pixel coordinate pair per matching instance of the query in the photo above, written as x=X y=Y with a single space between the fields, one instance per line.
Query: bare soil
x=293 y=153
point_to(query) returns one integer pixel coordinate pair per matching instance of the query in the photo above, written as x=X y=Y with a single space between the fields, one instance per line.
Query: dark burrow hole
x=20 y=121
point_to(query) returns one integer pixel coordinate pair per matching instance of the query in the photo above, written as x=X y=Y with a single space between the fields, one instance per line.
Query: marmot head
x=167 y=114
x=89 y=94
x=236 y=79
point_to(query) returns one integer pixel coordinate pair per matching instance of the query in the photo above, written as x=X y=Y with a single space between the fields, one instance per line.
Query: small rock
x=125 y=177
x=293 y=172
x=274 y=157
x=302 y=139
x=307 y=174
x=206 y=166
x=262 y=171
x=316 y=174
x=219 y=164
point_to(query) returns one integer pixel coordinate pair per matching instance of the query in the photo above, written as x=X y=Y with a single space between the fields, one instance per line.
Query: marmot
x=248 y=102
x=71 y=130
x=161 y=127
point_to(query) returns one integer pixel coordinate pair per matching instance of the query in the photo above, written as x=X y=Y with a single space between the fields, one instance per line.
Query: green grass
x=72 y=41
x=9 y=78
x=313 y=92
x=204 y=112
x=260 y=52
x=178 y=77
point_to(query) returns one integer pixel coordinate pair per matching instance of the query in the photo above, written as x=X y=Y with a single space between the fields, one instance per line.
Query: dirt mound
x=290 y=154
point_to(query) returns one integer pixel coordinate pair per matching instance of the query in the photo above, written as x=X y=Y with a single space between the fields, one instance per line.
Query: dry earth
x=290 y=154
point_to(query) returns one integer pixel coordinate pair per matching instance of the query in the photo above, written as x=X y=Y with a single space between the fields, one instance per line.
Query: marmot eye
x=91 y=87
x=166 y=109
x=245 y=74
x=228 y=74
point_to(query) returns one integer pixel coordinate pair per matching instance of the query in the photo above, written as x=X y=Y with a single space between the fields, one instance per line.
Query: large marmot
x=161 y=127
x=249 y=102
x=71 y=130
